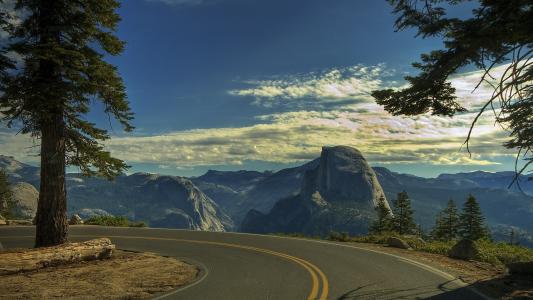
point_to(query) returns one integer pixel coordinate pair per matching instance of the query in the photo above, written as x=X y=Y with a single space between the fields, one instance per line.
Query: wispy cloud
x=355 y=82
x=297 y=135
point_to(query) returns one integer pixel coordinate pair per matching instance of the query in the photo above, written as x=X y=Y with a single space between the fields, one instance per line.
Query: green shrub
x=502 y=253
x=338 y=236
x=114 y=221
x=138 y=224
x=436 y=247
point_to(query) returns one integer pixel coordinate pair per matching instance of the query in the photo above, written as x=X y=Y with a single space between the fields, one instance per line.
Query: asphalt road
x=243 y=266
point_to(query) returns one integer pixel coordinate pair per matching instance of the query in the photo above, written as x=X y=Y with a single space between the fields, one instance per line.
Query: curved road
x=244 y=266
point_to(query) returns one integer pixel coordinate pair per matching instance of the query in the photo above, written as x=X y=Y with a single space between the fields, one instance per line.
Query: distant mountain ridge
x=231 y=195
x=163 y=201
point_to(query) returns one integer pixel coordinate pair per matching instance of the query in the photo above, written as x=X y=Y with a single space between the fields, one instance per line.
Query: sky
x=265 y=84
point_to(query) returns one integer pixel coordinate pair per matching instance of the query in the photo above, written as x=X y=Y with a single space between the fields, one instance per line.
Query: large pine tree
x=62 y=44
x=446 y=224
x=471 y=222
x=383 y=221
x=403 y=222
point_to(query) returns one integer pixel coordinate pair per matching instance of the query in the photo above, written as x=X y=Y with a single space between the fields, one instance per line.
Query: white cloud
x=297 y=136
x=355 y=82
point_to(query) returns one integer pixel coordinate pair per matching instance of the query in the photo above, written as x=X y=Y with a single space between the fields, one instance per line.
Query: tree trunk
x=51 y=219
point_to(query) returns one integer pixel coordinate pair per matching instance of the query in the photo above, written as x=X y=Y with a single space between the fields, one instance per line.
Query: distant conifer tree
x=447 y=223
x=403 y=215
x=62 y=45
x=471 y=222
x=6 y=196
x=384 y=217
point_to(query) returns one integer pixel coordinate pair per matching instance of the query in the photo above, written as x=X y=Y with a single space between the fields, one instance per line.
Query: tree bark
x=16 y=262
x=51 y=219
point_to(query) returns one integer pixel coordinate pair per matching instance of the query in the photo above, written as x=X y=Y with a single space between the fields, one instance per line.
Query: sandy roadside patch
x=126 y=275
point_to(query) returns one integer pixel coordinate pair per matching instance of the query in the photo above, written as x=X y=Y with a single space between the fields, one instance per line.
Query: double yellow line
x=318 y=278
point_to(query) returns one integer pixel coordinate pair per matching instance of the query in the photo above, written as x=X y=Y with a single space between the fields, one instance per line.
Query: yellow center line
x=311 y=268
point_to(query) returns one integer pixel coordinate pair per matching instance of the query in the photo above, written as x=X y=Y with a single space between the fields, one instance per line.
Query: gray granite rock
x=397 y=243
x=465 y=249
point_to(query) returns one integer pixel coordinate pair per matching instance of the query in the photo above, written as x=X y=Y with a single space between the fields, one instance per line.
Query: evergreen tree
x=6 y=196
x=447 y=223
x=384 y=217
x=62 y=44
x=471 y=221
x=403 y=215
x=498 y=33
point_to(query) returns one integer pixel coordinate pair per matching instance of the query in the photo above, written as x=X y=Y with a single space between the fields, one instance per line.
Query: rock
x=19 y=222
x=2 y=220
x=25 y=197
x=397 y=243
x=523 y=268
x=75 y=220
x=465 y=249
x=339 y=192
x=87 y=213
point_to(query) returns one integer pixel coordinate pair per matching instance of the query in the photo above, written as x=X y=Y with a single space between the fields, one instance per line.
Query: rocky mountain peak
x=344 y=175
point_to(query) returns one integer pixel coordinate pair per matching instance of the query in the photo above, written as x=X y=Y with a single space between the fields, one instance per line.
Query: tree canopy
x=498 y=33
x=402 y=221
x=71 y=39
x=471 y=222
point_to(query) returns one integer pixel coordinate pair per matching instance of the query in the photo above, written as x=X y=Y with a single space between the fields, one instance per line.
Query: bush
x=138 y=224
x=503 y=253
x=113 y=221
x=339 y=237
x=108 y=221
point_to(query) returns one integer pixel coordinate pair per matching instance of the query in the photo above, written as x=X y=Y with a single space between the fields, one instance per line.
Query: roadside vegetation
x=451 y=226
x=114 y=221
x=6 y=196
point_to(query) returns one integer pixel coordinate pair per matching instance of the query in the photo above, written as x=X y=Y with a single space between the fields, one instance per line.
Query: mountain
x=500 y=206
x=500 y=180
x=19 y=172
x=226 y=198
x=162 y=201
x=260 y=195
x=339 y=194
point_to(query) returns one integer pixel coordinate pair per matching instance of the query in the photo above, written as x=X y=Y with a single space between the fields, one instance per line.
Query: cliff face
x=344 y=175
x=340 y=193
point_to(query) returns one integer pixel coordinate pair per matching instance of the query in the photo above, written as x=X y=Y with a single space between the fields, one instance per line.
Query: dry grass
x=127 y=275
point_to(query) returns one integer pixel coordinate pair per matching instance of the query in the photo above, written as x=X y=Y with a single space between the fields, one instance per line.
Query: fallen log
x=34 y=259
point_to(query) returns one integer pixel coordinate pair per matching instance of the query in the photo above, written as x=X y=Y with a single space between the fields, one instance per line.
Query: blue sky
x=264 y=84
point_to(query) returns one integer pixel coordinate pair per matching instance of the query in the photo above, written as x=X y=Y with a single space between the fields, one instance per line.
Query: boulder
x=25 y=197
x=465 y=249
x=19 y=222
x=523 y=268
x=2 y=220
x=397 y=243
x=75 y=220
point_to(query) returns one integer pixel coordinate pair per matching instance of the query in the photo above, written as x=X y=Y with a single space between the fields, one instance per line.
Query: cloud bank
x=297 y=134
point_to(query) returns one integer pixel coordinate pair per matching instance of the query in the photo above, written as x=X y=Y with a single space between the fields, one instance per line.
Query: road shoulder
x=126 y=275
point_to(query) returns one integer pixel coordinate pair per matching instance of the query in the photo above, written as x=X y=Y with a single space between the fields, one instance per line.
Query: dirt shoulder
x=126 y=275
x=489 y=279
